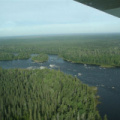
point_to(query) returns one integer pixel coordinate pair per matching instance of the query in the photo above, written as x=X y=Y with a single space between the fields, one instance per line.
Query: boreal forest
x=50 y=94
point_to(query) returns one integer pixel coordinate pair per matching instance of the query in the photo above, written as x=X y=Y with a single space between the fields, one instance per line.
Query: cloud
x=18 y=17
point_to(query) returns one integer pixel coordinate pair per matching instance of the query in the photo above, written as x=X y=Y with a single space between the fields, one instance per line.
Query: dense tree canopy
x=98 y=49
x=45 y=95
x=11 y=56
x=40 y=58
x=48 y=94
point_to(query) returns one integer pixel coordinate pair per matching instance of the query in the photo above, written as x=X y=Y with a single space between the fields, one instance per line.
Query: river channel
x=106 y=79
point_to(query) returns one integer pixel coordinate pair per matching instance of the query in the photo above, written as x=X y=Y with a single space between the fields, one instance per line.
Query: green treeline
x=96 y=57
x=6 y=56
x=40 y=58
x=98 y=50
x=22 y=55
x=45 y=95
x=11 y=56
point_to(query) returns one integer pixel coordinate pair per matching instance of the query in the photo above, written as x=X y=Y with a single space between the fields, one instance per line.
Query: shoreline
x=100 y=65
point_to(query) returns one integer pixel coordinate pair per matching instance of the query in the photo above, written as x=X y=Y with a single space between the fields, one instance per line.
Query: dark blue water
x=106 y=79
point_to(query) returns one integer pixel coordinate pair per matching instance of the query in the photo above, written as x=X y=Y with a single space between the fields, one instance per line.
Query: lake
x=106 y=79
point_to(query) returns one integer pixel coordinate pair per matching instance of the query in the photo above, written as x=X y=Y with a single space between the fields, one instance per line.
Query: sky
x=41 y=17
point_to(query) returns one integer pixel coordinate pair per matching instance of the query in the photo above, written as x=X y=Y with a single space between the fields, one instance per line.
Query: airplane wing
x=109 y=6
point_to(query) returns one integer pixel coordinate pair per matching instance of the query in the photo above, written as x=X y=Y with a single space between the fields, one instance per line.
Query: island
x=40 y=58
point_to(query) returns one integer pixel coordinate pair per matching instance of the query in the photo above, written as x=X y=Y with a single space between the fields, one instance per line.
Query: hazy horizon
x=43 y=17
x=62 y=35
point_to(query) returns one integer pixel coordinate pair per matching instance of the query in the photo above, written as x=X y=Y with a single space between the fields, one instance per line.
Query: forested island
x=45 y=95
x=40 y=58
x=97 y=50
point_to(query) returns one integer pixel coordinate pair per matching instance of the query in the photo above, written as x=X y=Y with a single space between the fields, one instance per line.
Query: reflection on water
x=106 y=79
